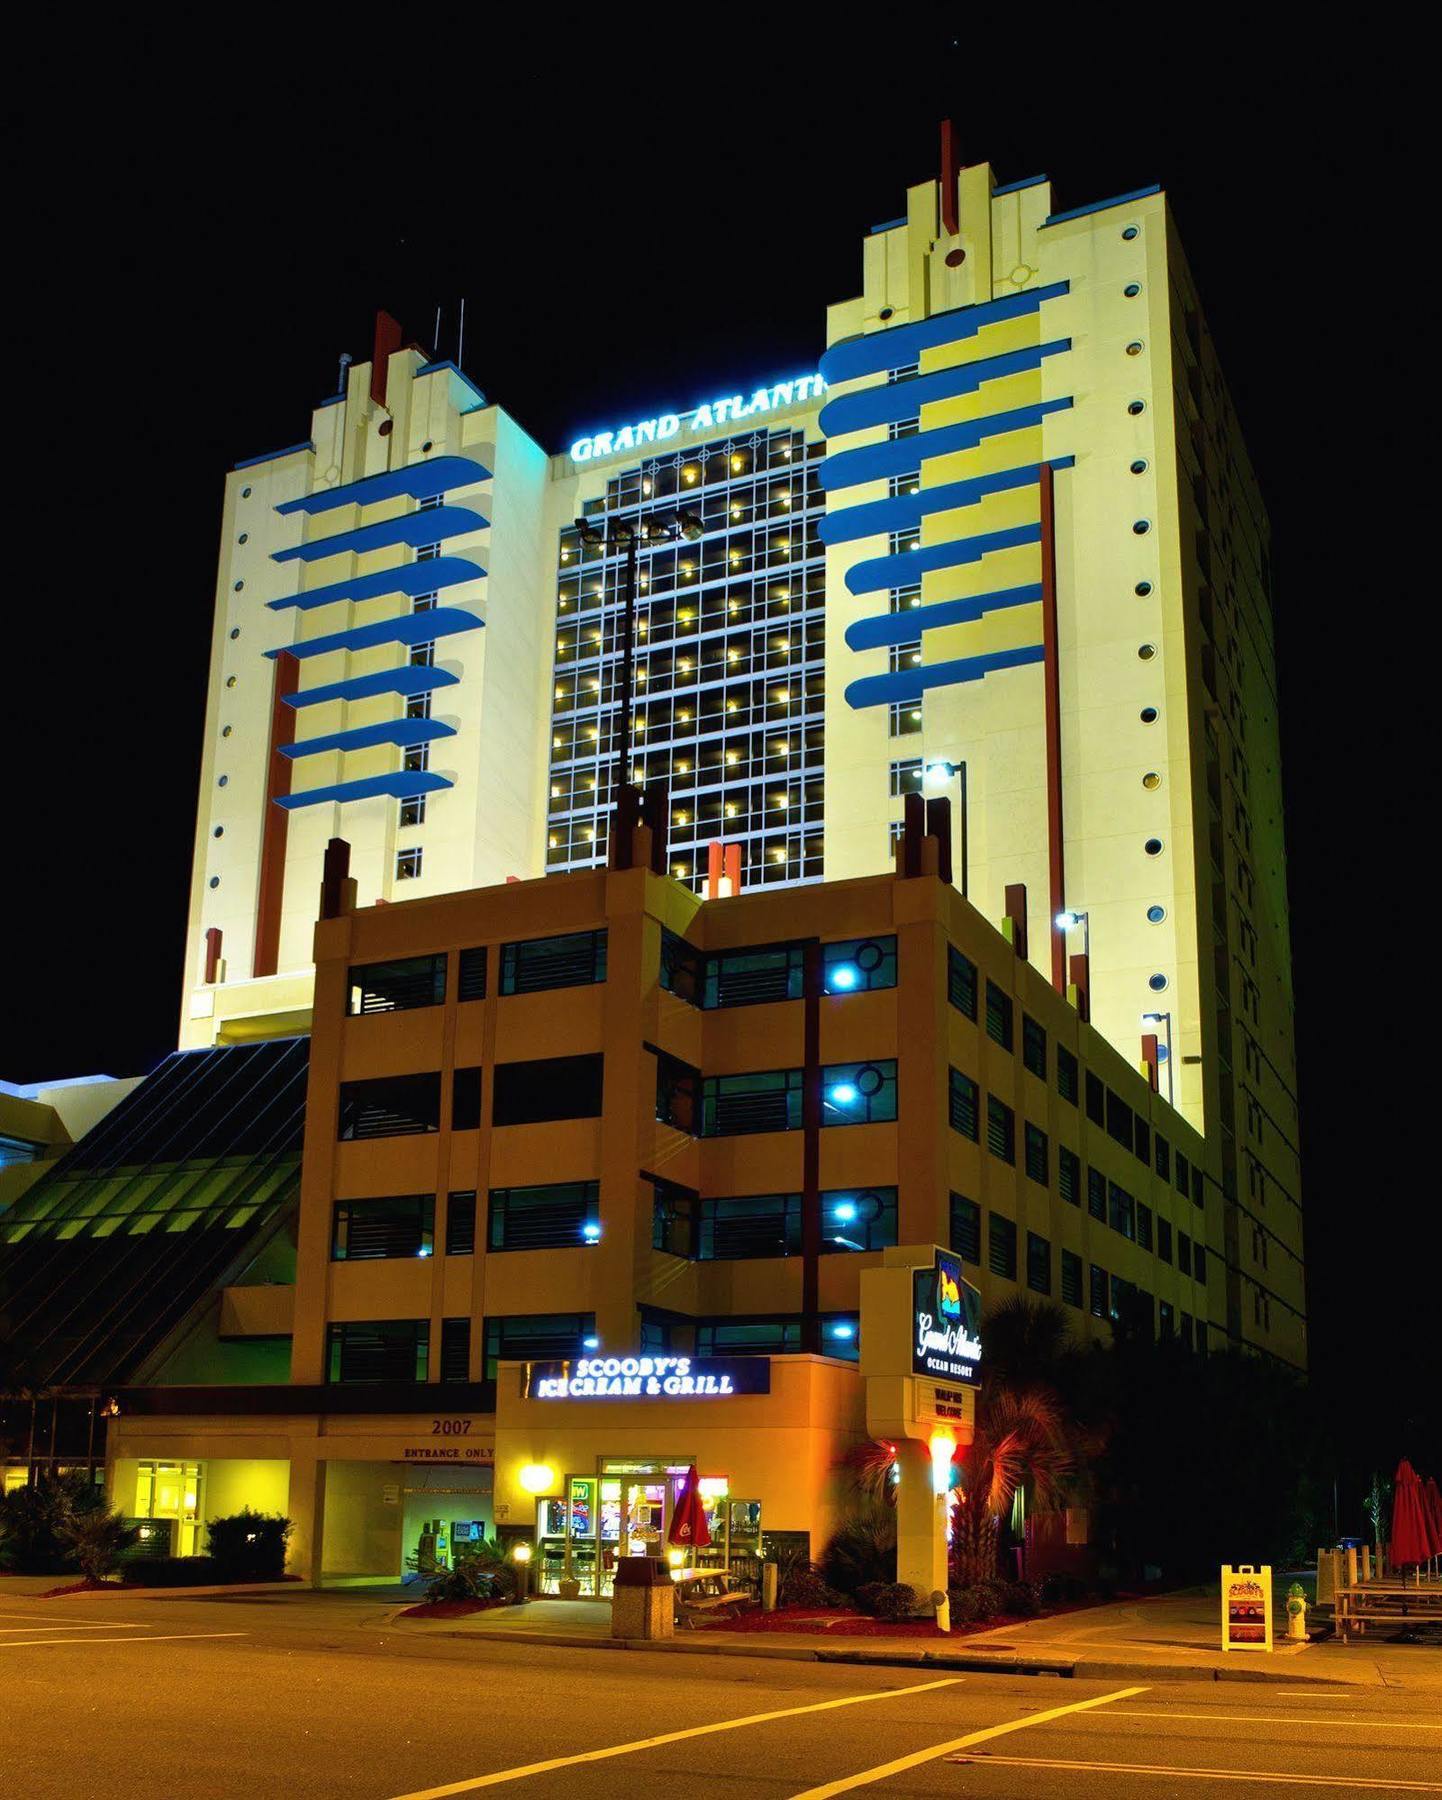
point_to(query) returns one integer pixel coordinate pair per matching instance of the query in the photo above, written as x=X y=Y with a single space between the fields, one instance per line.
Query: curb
x=136 y=1592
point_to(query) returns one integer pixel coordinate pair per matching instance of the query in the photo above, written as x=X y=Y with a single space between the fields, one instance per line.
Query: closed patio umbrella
x=1410 y=1535
x=689 y=1527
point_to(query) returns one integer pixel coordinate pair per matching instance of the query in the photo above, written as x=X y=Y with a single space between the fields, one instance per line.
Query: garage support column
x=306 y=1509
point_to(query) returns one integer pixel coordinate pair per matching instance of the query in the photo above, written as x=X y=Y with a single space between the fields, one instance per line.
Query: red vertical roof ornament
x=388 y=339
x=950 y=171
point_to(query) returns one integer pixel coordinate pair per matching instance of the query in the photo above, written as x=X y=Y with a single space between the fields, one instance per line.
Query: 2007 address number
x=450 y=1427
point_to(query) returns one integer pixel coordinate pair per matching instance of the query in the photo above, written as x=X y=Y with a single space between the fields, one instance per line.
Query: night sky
x=633 y=225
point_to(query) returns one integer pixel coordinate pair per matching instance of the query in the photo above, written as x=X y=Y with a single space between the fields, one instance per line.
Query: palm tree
x=1020 y=1447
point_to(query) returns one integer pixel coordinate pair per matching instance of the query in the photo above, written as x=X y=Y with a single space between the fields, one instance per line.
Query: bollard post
x=769 y=1577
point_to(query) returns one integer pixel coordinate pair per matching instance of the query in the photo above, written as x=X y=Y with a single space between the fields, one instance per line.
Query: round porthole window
x=1151 y=781
x=215 y=881
x=223 y=781
x=1139 y=467
x=1134 y=348
x=1136 y=406
x=230 y=681
x=1130 y=232
x=226 y=730
x=1153 y=846
x=955 y=258
x=234 y=631
x=1142 y=527
x=219 y=831
x=1149 y=715
x=428 y=445
x=1143 y=588
x=1146 y=651
x=1157 y=983
x=886 y=312
x=386 y=427
x=1132 y=289
x=238 y=586
x=245 y=493
x=1156 y=914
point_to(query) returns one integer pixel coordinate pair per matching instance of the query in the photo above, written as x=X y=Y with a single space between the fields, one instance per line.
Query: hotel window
x=455 y=1349
x=748 y=1336
x=380 y=1230
x=900 y=486
x=1199 y=1264
x=1099 y=1304
x=416 y=757
x=1038 y=1263
x=1199 y=1183
x=1001 y=1245
x=673 y=1218
x=1144 y=1226
x=575 y=960
x=858 y=1219
x=961 y=981
x=1036 y=1154
x=472 y=982
x=740 y=1105
x=681 y=969
x=1000 y=1129
x=1163 y=1153
x=1121 y=1211
x=1142 y=1139
x=906 y=777
x=427 y=552
x=903 y=428
x=403 y=986
x=902 y=657
x=430 y=502
x=903 y=541
x=14 y=1151
x=678 y=1093
x=753 y=1225
x=555 y=1216
x=536 y=1337
x=1168 y=1319
x=554 y=1087
x=393 y=1106
x=408 y=864
x=378 y=1350
x=963 y=1105
x=1067 y=1084
x=859 y=965
x=1164 y=1239
x=1097 y=1194
x=424 y=603
x=1183 y=1171
x=904 y=718
x=413 y=810
x=966 y=1229
x=902 y=372
x=998 y=1016
x=423 y=656
x=461 y=1222
x=466 y=1100
x=1120 y=1120
x=1071 y=1278
x=418 y=706
x=1096 y=1099
x=1068 y=1175
x=750 y=977
x=906 y=598
x=858 y=1093
x=1033 y=1045
x=1184 y=1253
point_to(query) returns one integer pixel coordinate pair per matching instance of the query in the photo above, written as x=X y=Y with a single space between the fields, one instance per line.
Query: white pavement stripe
x=1231 y=1718
x=672 y=1737
x=1353 y=1783
x=70 y=1625
x=883 y=1771
x=173 y=1637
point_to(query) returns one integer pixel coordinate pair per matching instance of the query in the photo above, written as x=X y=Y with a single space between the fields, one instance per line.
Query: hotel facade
x=1001 y=547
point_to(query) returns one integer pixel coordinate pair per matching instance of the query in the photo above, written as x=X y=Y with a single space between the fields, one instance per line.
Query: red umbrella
x=690 y=1529
x=1410 y=1533
x=1432 y=1502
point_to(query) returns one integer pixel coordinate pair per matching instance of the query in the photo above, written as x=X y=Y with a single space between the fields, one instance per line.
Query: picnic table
x=707 y=1592
x=1387 y=1602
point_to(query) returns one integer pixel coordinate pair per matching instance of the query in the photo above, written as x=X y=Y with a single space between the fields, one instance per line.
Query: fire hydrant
x=1297 y=1612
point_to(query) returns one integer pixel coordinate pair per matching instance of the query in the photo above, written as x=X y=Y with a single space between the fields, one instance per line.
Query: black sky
x=632 y=223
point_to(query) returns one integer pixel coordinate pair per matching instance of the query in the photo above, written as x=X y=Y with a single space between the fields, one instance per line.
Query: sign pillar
x=921 y=1358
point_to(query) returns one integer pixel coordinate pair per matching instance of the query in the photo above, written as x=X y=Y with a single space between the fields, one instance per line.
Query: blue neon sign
x=724 y=411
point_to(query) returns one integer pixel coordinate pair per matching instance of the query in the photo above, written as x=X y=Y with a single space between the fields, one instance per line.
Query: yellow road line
x=666 y=1737
x=883 y=1771
x=1353 y=1783
x=1123 y=1712
x=173 y=1637
x=71 y=1625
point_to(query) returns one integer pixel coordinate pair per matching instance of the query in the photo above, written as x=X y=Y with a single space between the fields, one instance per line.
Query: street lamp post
x=1164 y=1018
x=631 y=532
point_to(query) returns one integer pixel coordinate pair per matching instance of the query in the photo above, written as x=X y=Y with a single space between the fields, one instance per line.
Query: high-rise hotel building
x=1004 y=542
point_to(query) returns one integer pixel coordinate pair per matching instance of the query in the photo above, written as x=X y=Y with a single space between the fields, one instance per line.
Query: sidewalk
x=1170 y=1638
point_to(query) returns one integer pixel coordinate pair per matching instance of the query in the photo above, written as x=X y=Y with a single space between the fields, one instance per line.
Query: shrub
x=860 y=1552
x=1059 y=1588
x=806 y=1588
x=473 y=1579
x=249 y=1546
x=170 y=1571
x=990 y=1598
x=95 y=1541
x=34 y=1521
x=888 y=1599
x=1022 y=1599
x=965 y=1605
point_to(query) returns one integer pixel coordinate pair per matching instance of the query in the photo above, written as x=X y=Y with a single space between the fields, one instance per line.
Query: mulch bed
x=449 y=1609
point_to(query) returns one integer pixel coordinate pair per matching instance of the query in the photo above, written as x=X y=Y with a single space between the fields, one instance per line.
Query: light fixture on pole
x=1164 y=1018
x=1069 y=920
x=937 y=772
